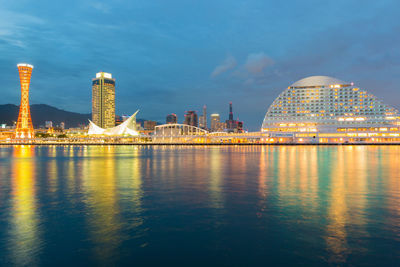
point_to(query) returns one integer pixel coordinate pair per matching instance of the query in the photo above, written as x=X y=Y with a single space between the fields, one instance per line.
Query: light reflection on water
x=24 y=231
x=240 y=205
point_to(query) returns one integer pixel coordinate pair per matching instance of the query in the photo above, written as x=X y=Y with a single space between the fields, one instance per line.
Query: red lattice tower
x=24 y=127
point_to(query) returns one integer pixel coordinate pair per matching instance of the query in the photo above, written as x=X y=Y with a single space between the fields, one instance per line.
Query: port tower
x=24 y=128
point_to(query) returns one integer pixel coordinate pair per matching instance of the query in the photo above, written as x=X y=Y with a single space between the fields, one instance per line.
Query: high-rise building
x=203 y=118
x=233 y=125
x=230 y=111
x=171 y=118
x=24 y=128
x=103 y=100
x=202 y=121
x=205 y=126
x=216 y=124
x=191 y=118
x=215 y=118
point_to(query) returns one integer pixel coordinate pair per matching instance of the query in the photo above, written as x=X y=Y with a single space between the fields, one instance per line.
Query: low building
x=128 y=127
x=149 y=125
x=48 y=124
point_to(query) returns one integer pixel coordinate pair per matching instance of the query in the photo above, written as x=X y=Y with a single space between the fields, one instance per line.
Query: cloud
x=257 y=62
x=13 y=25
x=101 y=7
x=229 y=63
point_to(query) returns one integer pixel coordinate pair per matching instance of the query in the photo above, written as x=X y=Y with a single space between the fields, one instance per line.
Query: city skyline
x=212 y=64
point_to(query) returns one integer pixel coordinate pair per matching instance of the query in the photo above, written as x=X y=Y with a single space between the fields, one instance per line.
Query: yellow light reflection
x=99 y=185
x=216 y=198
x=25 y=234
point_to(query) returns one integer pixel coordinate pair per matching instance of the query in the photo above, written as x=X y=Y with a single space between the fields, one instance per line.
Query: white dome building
x=324 y=107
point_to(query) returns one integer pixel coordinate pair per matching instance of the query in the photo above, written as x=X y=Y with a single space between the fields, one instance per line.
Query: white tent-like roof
x=128 y=127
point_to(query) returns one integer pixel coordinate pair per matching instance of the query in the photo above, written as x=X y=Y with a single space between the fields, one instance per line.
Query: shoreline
x=200 y=144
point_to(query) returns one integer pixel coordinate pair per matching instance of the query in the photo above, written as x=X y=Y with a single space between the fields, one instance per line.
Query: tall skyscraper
x=204 y=117
x=216 y=124
x=201 y=122
x=230 y=112
x=191 y=118
x=103 y=100
x=231 y=124
x=215 y=120
x=171 y=118
x=24 y=127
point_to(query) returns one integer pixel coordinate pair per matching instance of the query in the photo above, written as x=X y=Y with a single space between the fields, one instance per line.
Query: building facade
x=202 y=122
x=171 y=119
x=233 y=126
x=191 y=118
x=149 y=125
x=48 y=124
x=216 y=124
x=103 y=100
x=203 y=119
x=325 y=109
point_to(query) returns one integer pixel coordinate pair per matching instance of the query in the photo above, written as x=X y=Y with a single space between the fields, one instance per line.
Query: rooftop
x=317 y=81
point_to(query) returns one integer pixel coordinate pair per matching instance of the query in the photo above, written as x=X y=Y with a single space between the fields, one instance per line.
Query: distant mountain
x=41 y=113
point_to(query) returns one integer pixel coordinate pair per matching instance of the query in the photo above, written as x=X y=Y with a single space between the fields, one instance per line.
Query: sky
x=178 y=55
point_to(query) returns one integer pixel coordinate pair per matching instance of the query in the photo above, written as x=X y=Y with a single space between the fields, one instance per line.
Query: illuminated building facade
x=325 y=109
x=216 y=124
x=103 y=100
x=191 y=118
x=215 y=120
x=24 y=127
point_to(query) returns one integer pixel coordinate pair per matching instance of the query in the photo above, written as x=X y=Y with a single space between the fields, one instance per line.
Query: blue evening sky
x=169 y=56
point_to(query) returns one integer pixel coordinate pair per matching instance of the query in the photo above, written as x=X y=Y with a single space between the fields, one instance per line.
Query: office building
x=233 y=126
x=201 y=122
x=191 y=118
x=103 y=100
x=216 y=124
x=215 y=118
x=203 y=119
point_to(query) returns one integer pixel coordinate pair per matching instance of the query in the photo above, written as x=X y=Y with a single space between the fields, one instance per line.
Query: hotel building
x=321 y=109
x=103 y=100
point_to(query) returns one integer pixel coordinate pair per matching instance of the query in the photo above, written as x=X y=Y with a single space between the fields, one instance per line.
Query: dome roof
x=317 y=81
